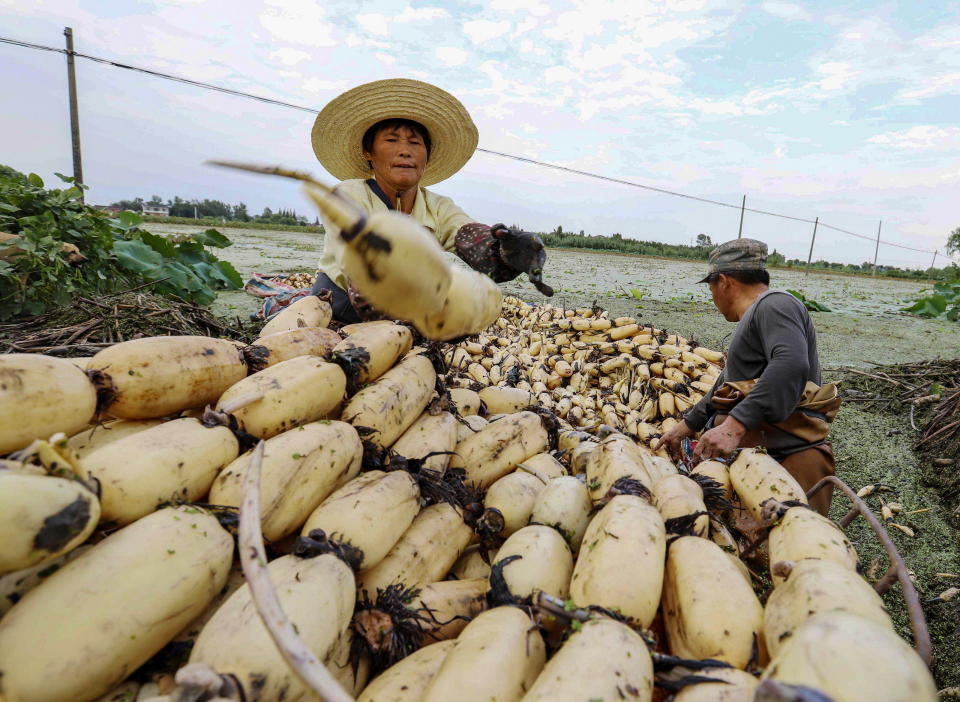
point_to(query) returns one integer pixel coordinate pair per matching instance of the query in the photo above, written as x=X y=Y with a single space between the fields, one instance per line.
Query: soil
x=865 y=328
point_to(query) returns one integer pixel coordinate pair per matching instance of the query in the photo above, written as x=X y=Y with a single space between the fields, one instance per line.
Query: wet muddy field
x=865 y=325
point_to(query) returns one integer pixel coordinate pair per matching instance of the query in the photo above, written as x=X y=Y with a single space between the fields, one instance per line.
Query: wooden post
x=74 y=113
x=876 y=249
x=743 y=206
x=812 y=239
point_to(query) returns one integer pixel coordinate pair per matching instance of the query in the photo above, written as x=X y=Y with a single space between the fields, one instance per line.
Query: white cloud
x=559 y=74
x=481 y=31
x=451 y=55
x=375 y=23
x=289 y=57
x=835 y=75
x=930 y=86
x=319 y=85
x=921 y=137
x=411 y=14
x=534 y=7
x=379 y=23
x=388 y=59
x=911 y=179
x=785 y=10
x=299 y=23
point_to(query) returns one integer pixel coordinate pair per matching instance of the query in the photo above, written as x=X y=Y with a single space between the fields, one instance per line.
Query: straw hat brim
x=340 y=126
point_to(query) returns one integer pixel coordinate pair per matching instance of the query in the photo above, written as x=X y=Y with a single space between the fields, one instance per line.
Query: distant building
x=156 y=210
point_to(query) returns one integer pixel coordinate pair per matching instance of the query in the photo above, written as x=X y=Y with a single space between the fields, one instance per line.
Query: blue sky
x=847 y=111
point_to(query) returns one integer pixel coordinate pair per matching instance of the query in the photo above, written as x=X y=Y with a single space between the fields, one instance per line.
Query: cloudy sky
x=843 y=110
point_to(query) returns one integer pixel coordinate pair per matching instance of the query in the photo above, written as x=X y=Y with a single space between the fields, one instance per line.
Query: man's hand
x=523 y=252
x=671 y=440
x=721 y=441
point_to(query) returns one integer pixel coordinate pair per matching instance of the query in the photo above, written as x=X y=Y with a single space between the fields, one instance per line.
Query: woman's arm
x=479 y=249
x=499 y=251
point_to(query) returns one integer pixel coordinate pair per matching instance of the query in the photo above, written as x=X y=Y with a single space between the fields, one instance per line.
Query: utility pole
x=74 y=114
x=933 y=263
x=876 y=249
x=743 y=206
x=812 y=239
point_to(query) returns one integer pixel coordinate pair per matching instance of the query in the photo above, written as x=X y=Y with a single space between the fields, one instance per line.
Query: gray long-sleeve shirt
x=776 y=342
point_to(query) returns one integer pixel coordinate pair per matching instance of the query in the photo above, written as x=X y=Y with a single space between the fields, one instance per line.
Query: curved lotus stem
x=253 y=558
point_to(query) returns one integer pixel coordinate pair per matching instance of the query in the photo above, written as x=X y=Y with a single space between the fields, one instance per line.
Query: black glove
x=524 y=253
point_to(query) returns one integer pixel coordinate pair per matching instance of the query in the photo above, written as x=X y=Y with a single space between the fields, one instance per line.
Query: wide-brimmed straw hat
x=340 y=127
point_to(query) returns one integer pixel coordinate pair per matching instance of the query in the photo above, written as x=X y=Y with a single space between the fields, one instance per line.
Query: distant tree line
x=701 y=250
x=215 y=209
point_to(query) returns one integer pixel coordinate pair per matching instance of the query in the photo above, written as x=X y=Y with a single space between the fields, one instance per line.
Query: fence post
x=876 y=248
x=74 y=113
x=812 y=239
x=934 y=261
x=743 y=206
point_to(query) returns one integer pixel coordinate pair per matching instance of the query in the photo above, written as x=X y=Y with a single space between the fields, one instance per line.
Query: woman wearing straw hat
x=385 y=141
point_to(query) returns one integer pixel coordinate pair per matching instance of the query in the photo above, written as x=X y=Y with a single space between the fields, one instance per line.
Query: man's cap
x=737 y=255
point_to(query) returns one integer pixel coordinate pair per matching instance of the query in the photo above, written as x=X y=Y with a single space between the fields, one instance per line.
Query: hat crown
x=738 y=255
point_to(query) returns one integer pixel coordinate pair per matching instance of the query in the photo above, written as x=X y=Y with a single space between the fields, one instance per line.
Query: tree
x=133 y=205
x=703 y=240
x=953 y=242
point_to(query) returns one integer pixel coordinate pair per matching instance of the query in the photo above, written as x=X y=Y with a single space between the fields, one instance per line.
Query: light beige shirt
x=437 y=213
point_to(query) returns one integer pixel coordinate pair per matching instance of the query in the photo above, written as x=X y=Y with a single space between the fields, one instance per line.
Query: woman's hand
x=524 y=253
x=673 y=438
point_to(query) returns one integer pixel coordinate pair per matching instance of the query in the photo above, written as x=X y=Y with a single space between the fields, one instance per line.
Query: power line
x=522 y=159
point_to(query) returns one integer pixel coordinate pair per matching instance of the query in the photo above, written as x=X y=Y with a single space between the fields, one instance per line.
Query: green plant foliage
x=36 y=275
x=811 y=305
x=944 y=301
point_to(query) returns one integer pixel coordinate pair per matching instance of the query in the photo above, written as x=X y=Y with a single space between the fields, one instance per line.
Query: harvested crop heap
x=493 y=527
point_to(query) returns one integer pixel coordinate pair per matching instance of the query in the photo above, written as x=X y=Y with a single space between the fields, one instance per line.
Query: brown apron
x=810 y=422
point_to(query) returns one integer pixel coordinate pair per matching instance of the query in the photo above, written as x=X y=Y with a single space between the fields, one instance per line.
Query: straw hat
x=340 y=126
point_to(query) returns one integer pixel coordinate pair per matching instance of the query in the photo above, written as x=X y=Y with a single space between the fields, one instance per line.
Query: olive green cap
x=737 y=255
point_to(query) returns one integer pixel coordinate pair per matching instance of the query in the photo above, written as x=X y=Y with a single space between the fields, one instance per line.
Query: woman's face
x=398 y=156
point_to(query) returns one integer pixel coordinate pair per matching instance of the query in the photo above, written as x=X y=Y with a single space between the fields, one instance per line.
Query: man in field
x=769 y=392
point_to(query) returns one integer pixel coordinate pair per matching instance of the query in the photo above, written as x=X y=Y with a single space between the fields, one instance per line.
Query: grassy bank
x=683 y=259
x=233 y=224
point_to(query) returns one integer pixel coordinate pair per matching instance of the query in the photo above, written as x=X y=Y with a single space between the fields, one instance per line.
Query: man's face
x=721 y=291
x=399 y=157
